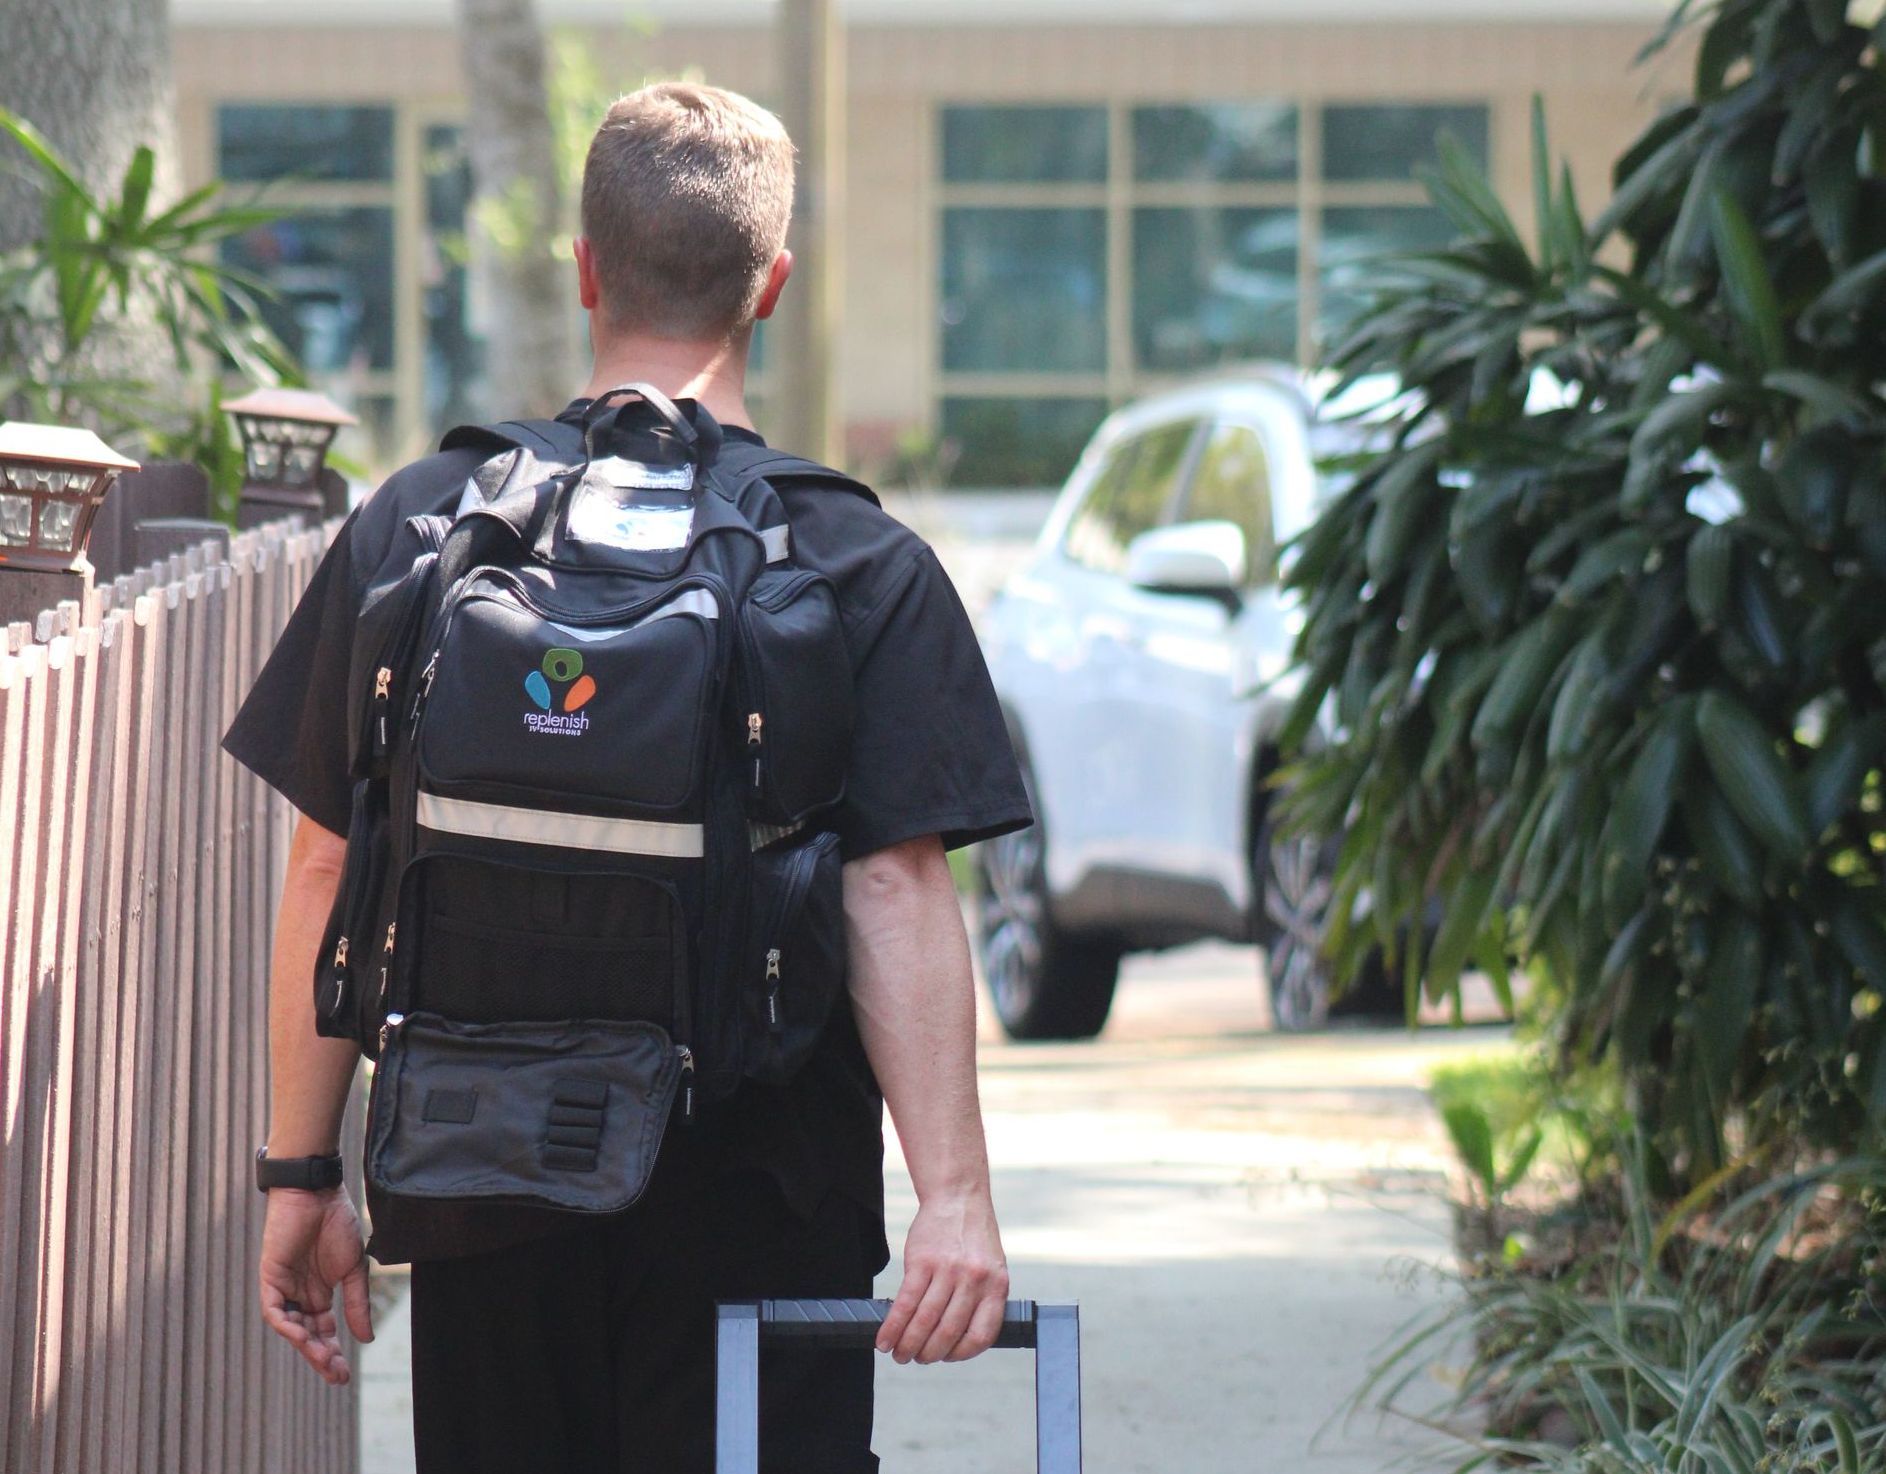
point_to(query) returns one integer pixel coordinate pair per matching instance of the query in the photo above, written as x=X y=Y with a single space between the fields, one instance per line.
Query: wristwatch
x=313 y=1174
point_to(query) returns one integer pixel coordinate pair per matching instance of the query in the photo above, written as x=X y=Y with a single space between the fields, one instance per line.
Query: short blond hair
x=687 y=192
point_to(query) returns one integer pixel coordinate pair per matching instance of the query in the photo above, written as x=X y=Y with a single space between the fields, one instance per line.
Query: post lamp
x=52 y=480
x=285 y=438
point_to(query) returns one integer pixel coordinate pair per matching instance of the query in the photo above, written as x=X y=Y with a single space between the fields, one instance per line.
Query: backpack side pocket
x=346 y=960
x=386 y=637
x=793 y=967
x=794 y=697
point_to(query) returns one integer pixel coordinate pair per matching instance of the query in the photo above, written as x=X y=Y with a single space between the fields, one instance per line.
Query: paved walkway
x=1239 y=1215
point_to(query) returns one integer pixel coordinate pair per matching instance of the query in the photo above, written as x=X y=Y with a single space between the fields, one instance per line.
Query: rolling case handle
x=1052 y=1330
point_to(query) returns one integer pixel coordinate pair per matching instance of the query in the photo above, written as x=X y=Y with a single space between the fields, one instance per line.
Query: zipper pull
x=772 y=988
x=754 y=722
x=382 y=698
x=386 y=962
x=687 y=1083
x=389 y=1028
x=425 y=683
x=338 y=972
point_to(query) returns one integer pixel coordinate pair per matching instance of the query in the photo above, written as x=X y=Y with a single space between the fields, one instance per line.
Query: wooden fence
x=138 y=873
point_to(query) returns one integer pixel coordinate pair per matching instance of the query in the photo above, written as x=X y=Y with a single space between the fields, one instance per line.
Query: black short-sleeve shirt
x=930 y=755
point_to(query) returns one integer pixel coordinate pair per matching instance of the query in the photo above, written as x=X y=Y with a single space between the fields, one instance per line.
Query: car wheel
x=1374 y=995
x=1296 y=902
x=1044 y=982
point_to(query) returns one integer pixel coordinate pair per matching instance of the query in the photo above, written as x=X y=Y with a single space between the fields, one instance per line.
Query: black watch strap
x=313 y=1174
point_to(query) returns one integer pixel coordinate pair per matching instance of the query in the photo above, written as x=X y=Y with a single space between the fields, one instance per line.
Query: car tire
x=1374 y=996
x=1295 y=891
x=1044 y=982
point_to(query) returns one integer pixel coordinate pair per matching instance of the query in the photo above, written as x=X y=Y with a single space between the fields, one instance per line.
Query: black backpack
x=594 y=741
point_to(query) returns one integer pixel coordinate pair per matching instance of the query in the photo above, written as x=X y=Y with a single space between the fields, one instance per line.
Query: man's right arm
x=311 y=1241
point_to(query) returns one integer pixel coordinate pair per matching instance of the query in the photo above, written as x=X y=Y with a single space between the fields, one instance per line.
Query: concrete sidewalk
x=1240 y=1215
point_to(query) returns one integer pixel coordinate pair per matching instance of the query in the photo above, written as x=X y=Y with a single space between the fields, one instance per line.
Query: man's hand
x=955 y=1289
x=311 y=1243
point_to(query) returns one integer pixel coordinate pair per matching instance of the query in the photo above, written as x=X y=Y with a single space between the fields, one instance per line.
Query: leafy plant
x=1743 y=1338
x=1603 y=626
x=1496 y=1118
x=102 y=261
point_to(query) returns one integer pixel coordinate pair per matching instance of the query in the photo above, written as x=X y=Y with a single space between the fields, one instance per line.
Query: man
x=590 y=1347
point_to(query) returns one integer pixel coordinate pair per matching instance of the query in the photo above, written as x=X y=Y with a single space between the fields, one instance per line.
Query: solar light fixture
x=285 y=435
x=52 y=481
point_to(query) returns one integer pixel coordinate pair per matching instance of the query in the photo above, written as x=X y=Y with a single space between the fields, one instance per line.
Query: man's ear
x=775 y=284
x=588 y=290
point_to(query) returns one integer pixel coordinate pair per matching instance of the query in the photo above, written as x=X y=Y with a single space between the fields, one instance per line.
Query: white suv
x=1142 y=656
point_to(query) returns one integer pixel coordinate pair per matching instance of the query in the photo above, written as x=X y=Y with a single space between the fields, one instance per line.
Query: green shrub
x=1740 y=1339
x=1603 y=627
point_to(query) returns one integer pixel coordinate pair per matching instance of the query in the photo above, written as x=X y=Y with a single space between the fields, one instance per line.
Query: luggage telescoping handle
x=745 y=1325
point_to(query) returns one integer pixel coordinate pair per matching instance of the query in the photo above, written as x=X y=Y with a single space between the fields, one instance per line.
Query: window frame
x=1123 y=379
x=1199 y=424
x=1183 y=511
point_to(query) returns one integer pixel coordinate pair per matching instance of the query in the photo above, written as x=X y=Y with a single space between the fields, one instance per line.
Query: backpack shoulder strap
x=743 y=463
x=552 y=441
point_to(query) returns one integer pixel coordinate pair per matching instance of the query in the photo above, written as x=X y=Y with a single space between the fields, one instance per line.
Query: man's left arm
x=912 y=993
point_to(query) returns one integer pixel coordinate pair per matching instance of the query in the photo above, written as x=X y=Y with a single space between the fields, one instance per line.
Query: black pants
x=593 y=1352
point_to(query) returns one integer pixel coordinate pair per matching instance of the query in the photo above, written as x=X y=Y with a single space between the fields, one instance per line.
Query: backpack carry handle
x=684 y=431
x=700 y=442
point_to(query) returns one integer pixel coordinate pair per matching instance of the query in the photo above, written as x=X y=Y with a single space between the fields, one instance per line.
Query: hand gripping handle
x=856 y=1322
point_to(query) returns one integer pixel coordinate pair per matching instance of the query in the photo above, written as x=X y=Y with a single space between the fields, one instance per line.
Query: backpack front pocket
x=794 y=686
x=590 y=714
x=794 y=961
x=559 y=1115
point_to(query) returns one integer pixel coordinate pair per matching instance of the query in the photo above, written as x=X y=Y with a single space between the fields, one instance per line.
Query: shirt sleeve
x=930 y=750
x=292 y=728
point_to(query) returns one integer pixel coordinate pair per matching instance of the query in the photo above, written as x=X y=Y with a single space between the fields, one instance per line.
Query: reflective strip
x=691 y=601
x=778 y=542
x=565 y=831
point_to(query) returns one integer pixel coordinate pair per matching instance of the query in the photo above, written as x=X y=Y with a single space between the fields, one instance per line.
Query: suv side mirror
x=1190 y=558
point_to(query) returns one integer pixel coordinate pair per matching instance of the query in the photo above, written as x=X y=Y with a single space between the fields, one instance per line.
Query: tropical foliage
x=100 y=261
x=1741 y=1339
x=1603 y=624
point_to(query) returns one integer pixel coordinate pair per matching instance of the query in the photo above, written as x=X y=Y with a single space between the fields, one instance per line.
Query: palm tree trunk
x=517 y=208
x=93 y=76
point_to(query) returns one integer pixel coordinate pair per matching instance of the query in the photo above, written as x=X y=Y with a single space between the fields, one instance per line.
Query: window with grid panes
x=1242 y=229
x=367 y=268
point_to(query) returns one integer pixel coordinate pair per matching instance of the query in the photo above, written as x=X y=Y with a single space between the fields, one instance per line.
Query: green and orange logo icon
x=560 y=674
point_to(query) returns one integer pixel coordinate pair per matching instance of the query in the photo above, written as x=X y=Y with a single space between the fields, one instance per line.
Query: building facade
x=1051 y=208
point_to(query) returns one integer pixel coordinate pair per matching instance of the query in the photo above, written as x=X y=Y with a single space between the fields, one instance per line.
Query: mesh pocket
x=499 y=943
x=488 y=974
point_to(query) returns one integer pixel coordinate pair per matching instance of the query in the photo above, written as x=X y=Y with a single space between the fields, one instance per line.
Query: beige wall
x=1595 y=101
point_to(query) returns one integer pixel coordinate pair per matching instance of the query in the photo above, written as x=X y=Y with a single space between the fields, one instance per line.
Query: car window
x=1129 y=496
x=1232 y=484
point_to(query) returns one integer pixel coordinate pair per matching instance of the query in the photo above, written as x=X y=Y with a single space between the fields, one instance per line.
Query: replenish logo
x=558 y=688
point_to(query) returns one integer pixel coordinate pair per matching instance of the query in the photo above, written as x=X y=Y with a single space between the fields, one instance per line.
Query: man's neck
x=713 y=373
